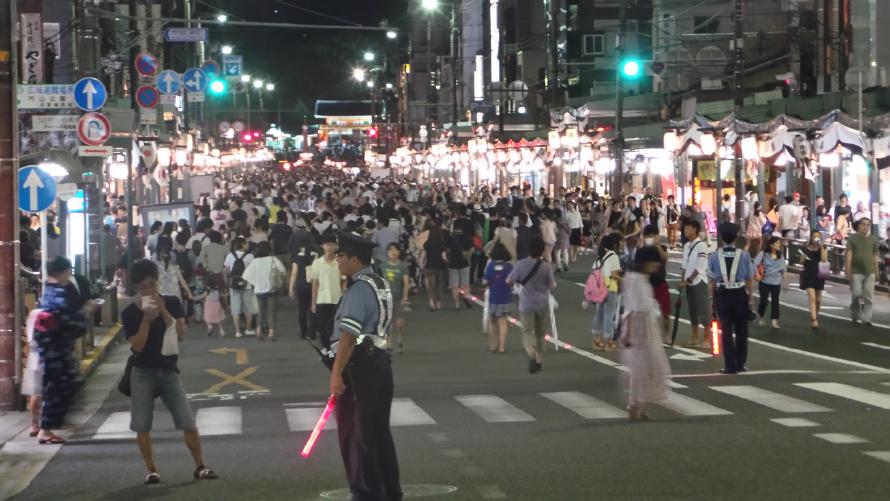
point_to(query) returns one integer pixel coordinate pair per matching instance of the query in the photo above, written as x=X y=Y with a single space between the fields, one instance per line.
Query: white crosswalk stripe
x=404 y=412
x=690 y=407
x=868 y=397
x=115 y=426
x=219 y=420
x=494 y=409
x=775 y=401
x=584 y=405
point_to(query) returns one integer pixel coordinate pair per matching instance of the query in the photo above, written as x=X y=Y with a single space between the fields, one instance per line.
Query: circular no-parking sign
x=147 y=96
x=93 y=129
x=224 y=127
x=238 y=125
x=146 y=64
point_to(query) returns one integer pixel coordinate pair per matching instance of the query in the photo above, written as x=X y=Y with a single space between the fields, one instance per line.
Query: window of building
x=594 y=45
x=705 y=24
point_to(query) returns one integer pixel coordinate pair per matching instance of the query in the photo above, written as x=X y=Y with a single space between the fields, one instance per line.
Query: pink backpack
x=595 y=288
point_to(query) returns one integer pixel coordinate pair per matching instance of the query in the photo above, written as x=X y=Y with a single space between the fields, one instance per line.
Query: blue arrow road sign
x=37 y=189
x=90 y=94
x=194 y=80
x=232 y=65
x=168 y=82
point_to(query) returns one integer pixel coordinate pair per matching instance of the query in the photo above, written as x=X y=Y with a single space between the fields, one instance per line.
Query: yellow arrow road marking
x=240 y=354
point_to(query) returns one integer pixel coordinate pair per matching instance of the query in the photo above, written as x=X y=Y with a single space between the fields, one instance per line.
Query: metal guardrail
x=836 y=253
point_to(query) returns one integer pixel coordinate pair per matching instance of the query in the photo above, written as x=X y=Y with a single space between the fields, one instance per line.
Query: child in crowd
x=395 y=271
x=214 y=313
x=643 y=353
x=500 y=298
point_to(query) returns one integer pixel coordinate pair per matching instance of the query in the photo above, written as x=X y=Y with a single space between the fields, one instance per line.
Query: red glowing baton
x=322 y=421
x=715 y=337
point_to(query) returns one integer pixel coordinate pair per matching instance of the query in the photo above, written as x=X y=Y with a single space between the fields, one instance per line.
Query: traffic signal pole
x=618 y=175
x=738 y=96
x=10 y=316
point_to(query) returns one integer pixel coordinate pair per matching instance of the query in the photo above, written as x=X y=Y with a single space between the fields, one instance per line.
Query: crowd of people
x=266 y=236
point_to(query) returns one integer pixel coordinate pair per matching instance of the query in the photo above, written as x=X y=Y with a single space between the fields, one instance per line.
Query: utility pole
x=738 y=97
x=10 y=316
x=456 y=61
x=618 y=178
x=134 y=82
x=553 y=34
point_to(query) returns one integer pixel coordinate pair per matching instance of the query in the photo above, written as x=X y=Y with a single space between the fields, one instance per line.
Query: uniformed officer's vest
x=384 y=307
x=729 y=280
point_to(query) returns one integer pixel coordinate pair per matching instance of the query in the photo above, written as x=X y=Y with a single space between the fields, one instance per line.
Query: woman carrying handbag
x=267 y=275
x=816 y=269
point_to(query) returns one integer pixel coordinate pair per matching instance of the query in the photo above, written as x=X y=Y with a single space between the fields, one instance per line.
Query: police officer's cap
x=729 y=232
x=353 y=244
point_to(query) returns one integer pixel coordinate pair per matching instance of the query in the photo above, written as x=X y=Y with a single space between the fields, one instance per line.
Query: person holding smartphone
x=154 y=325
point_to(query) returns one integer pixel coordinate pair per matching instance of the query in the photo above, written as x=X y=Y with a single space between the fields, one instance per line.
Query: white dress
x=645 y=357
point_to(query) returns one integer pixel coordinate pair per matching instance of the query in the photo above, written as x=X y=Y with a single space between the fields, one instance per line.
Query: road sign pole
x=43 y=244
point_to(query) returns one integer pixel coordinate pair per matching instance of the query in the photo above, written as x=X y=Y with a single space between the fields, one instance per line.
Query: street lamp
x=257 y=84
x=358 y=74
x=270 y=87
x=392 y=35
x=245 y=78
x=430 y=4
x=370 y=84
x=226 y=49
x=369 y=56
x=222 y=18
x=388 y=86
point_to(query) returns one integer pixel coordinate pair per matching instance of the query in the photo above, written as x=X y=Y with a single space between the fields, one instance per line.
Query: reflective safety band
x=729 y=280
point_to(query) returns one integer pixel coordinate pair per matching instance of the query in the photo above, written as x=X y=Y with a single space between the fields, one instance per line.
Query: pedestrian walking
x=694 y=271
x=770 y=268
x=500 y=297
x=862 y=264
x=435 y=268
x=267 y=276
x=457 y=254
x=641 y=335
x=731 y=278
x=327 y=286
x=608 y=268
x=754 y=229
x=814 y=258
x=154 y=325
x=57 y=327
x=213 y=310
x=395 y=272
x=536 y=278
x=361 y=376
x=658 y=279
x=241 y=297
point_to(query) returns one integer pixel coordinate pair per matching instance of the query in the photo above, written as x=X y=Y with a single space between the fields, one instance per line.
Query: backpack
x=768 y=228
x=236 y=282
x=595 y=288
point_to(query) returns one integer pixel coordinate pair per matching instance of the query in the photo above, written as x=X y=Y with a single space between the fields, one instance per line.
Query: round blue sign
x=37 y=189
x=194 y=80
x=147 y=96
x=90 y=94
x=168 y=82
x=146 y=64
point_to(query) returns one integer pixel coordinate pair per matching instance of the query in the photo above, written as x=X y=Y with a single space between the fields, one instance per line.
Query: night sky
x=305 y=64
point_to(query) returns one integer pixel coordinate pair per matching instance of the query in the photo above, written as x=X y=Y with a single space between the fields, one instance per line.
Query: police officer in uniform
x=361 y=376
x=731 y=279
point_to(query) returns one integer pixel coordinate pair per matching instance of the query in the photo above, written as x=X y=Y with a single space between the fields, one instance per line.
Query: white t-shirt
x=230 y=259
x=697 y=261
x=789 y=216
x=609 y=265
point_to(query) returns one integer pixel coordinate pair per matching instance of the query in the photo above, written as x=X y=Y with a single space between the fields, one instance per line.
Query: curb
x=88 y=364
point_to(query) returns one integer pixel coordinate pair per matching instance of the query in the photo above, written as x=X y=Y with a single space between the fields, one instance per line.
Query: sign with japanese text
x=43 y=97
x=54 y=123
x=32 y=48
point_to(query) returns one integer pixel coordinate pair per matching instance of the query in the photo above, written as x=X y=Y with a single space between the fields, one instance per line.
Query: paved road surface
x=808 y=422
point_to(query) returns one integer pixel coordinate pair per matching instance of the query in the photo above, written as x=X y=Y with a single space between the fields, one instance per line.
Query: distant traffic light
x=247 y=137
x=631 y=69
x=218 y=86
x=373 y=132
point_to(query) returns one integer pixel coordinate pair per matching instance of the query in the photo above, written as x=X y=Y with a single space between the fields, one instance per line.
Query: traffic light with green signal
x=218 y=87
x=631 y=69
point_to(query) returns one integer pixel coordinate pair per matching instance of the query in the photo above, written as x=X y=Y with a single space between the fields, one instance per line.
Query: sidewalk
x=12 y=423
